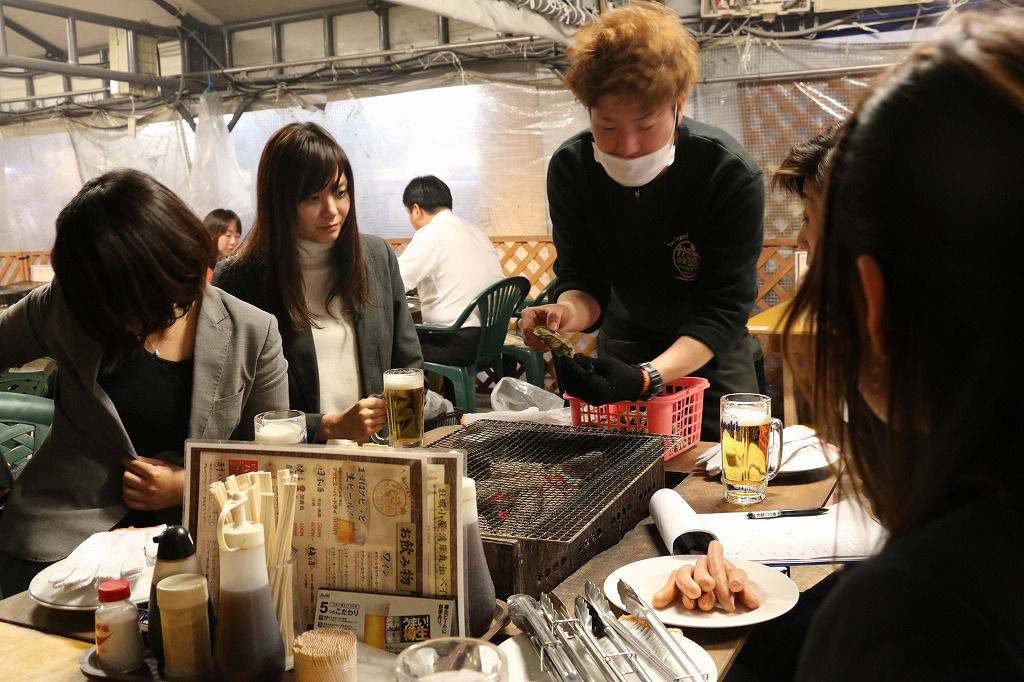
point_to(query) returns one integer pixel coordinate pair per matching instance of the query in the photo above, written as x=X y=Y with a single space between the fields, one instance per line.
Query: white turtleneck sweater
x=334 y=336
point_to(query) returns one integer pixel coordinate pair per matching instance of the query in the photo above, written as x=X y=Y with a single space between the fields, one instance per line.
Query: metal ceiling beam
x=349 y=8
x=83 y=71
x=90 y=17
x=380 y=54
x=16 y=100
x=3 y=30
x=52 y=51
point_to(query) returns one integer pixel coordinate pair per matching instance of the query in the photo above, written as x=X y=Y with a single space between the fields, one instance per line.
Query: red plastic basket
x=675 y=413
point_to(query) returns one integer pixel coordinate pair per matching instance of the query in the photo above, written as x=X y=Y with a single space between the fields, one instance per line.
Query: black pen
x=779 y=513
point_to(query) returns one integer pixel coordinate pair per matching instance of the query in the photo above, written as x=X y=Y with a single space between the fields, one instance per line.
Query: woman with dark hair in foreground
x=148 y=354
x=911 y=291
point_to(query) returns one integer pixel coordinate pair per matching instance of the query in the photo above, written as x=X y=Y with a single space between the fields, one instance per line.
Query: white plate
x=84 y=598
x=808 y=458
x=524 y=661
x=777 y=592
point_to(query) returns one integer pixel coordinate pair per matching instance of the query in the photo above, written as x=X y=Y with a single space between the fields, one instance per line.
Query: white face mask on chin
x=640 y=170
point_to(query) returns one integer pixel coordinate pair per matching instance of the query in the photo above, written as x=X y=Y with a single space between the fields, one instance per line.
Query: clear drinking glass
x=452 y=659
x=404 y=393
x=748 y=459
x=282 y=427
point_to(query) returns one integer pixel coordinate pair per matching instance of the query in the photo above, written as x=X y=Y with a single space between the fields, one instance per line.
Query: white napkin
x=674 y=518
x=120 y=554
x=794 y=438
x=561 y=416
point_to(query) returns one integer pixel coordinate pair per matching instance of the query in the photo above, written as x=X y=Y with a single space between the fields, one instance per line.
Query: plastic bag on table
x=513 y=395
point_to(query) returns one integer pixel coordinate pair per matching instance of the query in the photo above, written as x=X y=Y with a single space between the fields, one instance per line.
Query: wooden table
x=12 y=293
x=704 y=494
x=29 y=650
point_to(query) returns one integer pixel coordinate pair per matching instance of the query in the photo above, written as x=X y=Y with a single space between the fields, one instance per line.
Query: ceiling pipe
x=406 y=52
x=83 y=71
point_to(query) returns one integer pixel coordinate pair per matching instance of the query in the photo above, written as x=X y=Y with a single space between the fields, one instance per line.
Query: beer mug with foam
x=404 y=393
x=750 y=456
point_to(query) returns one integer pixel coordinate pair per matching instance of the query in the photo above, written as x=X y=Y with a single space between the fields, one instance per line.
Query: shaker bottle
x=175 y=554
x=249 y=646
x=186 y=628
x=118 y=640
x=479 y=586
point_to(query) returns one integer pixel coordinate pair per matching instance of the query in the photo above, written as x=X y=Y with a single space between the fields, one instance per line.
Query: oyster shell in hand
x=558 y=344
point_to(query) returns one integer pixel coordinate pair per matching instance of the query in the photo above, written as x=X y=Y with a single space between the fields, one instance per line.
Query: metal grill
x=549 y=482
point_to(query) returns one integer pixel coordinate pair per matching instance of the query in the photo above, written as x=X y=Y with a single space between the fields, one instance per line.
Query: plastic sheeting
x=490 y=140
x=501 y=16
x=215 y=180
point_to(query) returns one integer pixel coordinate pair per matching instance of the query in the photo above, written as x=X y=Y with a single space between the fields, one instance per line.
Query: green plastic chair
x=532 y=361
x=38 y=382
x=24 y=421
x=497 y=304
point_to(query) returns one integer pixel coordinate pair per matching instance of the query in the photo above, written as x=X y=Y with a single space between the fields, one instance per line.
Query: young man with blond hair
x=657 y=220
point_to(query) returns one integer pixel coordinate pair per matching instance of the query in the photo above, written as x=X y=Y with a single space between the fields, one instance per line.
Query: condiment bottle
x=118 y=640
x=249 y=646
x=185 y=625
x=175 y=555
x=479 y=586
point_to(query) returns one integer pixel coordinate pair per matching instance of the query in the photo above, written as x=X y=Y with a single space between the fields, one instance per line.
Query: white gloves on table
x=120 y=554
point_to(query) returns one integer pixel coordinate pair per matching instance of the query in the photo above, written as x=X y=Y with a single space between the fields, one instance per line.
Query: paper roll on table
x=680 y=527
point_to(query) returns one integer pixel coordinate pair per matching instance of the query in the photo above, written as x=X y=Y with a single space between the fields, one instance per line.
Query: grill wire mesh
x=548 y=482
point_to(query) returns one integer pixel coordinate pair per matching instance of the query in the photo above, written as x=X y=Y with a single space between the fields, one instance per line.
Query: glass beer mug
x=748 y=459
x=404 y=393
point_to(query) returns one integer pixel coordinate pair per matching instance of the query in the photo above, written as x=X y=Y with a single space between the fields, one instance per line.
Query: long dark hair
x=299 y=160
x=130 y=258
x=217 y=222
x=927 y=180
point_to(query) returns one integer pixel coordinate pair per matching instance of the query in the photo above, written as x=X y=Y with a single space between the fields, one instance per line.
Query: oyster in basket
x=558 y=344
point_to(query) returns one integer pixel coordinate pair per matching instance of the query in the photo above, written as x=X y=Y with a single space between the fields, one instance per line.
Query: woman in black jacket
x=337 y=295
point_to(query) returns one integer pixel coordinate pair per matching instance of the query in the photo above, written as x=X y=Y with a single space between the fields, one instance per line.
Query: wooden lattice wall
x=15 y=265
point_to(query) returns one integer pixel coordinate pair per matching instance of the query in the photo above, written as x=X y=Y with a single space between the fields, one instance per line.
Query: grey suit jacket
x=385 y=335
x=72 y=486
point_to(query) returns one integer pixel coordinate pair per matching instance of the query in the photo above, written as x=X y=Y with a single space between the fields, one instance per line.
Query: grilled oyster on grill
x=558 y=344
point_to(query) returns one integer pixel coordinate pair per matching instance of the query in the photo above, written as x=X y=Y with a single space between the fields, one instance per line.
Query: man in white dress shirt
x=449 y=261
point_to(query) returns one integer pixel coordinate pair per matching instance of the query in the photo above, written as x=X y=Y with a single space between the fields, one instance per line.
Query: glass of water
x=281 y=427
x=452 y=659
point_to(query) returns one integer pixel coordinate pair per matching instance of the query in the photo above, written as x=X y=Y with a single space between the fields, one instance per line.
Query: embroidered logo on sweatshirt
x=685 y=259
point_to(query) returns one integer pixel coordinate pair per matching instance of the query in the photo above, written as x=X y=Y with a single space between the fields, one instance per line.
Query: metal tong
x=529 y=618
x=586 y=624
x=642 y=611
x=560 y=622
x=620 y=637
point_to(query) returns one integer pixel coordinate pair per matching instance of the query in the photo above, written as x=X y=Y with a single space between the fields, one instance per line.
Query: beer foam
x=745 y=417
x=403 y=382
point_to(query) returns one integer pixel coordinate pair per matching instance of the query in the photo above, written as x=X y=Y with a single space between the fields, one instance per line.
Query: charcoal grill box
x=549 y=498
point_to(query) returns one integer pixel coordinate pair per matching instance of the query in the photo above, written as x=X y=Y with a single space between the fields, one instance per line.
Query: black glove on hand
x=599 y=381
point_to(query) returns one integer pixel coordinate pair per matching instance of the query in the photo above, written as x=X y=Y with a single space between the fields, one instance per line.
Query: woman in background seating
x=226 y=231
x=912 y=290
x=148 y=355
x=337 y=294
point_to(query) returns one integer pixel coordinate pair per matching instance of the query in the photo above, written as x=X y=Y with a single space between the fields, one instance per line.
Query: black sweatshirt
x=676 y=257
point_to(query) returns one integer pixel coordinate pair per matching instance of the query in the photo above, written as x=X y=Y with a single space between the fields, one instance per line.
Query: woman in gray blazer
x=148 y=354
x=337 y=295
